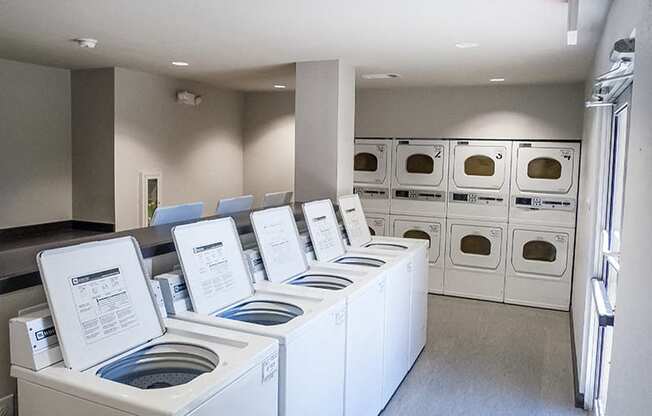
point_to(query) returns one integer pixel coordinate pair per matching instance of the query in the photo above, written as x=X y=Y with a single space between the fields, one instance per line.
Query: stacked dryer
x=478 y=204
x=418 y=199
x=541 y=237
x=372 y=180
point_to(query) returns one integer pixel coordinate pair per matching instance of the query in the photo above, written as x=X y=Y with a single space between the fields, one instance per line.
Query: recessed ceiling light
x=381 y=76
x=280 y=86
x=180 y=63
x=497 y=80
x=467 y=45
x=86 y=43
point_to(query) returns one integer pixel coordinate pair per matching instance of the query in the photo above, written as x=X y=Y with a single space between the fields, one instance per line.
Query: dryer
x=309 y=327
x=378 y=224
x=540 y=266
x=475 y=259
x=419 y=180
x=544 y=186
x=432 y=230
x=121 y=358
x=372 y=163
x=478 y=184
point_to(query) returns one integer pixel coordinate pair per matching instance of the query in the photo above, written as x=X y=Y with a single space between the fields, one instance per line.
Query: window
x=150 y=195
x=417 y=234
x=544 y=168
x=475 y=244
x=539 y=251
x=365 y=162
x=420 y=163
x=479 y=165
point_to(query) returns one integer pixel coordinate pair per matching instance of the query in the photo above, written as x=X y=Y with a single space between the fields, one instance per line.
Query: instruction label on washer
x=102 y=304
x=356 y=227
x=325 y=236
x=215 y=273
x=270 y=367
x=278 y=243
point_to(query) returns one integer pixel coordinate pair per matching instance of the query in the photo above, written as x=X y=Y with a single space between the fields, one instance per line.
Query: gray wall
x=92 y=145
x=268 y=133
x=539 y=111
x=198 y=150
x=35 y=149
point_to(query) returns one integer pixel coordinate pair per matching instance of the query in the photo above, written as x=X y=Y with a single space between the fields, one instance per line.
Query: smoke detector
x=188 y=98
x=86 y=43
x=381 y=76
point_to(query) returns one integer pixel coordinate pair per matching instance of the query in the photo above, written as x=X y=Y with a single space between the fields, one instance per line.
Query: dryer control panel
x=419 y=195
x=476 y=198
x=371 y=193
x=541 y=202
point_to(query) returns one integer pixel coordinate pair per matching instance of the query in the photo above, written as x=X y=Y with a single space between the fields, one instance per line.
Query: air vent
x=381 y=76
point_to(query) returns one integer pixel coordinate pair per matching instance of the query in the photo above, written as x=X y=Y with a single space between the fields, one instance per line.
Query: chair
x=228 y=206
x=276 y=199
x=177 y=213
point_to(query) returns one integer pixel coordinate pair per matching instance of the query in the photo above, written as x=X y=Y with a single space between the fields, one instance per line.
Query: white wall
x=35 y=149
x=198 y=150
x=268 y=133
x=539 y=111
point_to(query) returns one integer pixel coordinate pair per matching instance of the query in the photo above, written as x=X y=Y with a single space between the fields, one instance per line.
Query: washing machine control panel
x=34 y=342
x=542 y=202
x=476 y=198
x=371 y=193
x=175 y=292
x=419 y=195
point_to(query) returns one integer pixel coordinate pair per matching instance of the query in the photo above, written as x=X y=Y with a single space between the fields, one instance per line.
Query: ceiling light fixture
x=573 y=16
x=280 y=86
x=88 y=43
x=381 y=76
x=497 y=80
x=466 y=45
x=180 y=63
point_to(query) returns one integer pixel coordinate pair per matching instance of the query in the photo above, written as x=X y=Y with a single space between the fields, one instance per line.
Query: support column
x=324 y=124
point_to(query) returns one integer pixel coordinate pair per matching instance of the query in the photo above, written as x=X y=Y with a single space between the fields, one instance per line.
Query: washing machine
x=355 y=224
x=372 y=163
x=478 y=182
x=433 y=231
x=118 y=356
x=545 y=178
x=271 y=231
x=378 y=224
x=420 y=177
x=309 y=327
x=475 y=259
x=540 y=266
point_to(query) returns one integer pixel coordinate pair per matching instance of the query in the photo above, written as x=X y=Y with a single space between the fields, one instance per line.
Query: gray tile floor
x=489 y=359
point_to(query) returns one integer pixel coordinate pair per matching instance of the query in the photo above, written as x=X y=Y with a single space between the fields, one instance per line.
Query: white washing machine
x=420 y=177
x=478 y=184
x=540 y=266
x=378 y=224
x=121 y=358
x=329 y=249
x=310 y=328
x=284 y=264
x=545 y=178
x=372 y=173
x=475 y=259
x=432 y=230
x=359 y=238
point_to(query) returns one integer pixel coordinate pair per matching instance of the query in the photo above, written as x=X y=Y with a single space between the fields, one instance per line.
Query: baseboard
x=579 y=397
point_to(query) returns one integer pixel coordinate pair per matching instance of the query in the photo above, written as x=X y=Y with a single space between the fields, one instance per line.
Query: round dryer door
x=545 y=170
x=419 y=164
x=540 y=252
x=429 y=231
x=475 y=246
x=370 y=163
x=480 y=167
x=376 y=226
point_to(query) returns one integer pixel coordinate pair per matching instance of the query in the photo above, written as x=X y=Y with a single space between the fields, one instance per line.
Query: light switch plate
x=7 y=406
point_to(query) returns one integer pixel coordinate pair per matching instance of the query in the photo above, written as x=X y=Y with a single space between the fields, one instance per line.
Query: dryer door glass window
x=546 y=170
x=420 y=164
x=475 y=246
x=370 y=163
x=480 y=167
x=540 y=252
x=424 y=231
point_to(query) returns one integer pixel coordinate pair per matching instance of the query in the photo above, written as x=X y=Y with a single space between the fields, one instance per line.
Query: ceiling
x=252 y=44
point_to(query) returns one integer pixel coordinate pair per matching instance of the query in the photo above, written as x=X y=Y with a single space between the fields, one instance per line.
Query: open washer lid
x=213 y=264
x=354 y=220
x=324 y=230
x=278 y=241
x=99 y=299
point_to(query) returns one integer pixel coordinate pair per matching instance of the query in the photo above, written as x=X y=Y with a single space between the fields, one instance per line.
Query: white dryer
x=540 y=266
x=310 y=328
x=432 y=230
x=475 y=259
x=419 y=180
x=372 y=173
x=378 y=225
x=121 y=358
x=478 y=183
x=545 y=179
